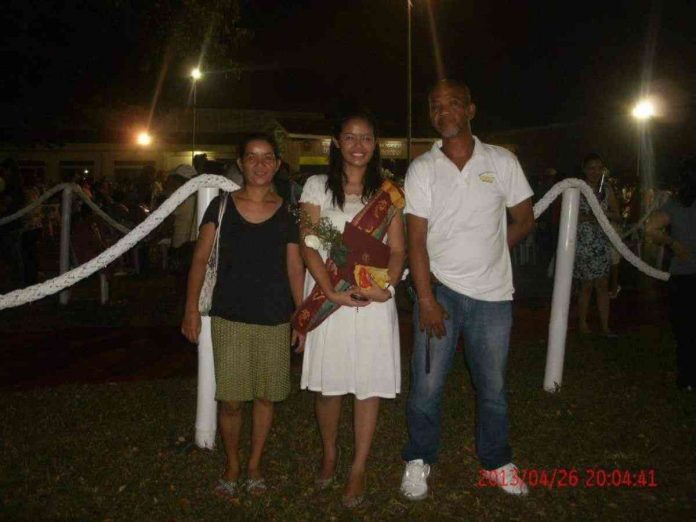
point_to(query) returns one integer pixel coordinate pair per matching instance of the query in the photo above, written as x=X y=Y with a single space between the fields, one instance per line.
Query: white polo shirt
x=467 y=222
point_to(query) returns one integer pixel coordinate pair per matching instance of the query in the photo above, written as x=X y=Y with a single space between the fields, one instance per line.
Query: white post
x=104 y=288
x=206 y=409
x=563 y=279
x=65 y=212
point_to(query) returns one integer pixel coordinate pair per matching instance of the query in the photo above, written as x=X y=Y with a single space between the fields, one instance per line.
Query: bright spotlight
x=643 y=110
x=196 y=74
x=144 y=139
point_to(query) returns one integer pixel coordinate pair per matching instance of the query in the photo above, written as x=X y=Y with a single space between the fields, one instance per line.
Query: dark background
x=528 y=63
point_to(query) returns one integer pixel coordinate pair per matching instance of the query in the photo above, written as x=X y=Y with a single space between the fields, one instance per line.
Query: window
x=71 y=170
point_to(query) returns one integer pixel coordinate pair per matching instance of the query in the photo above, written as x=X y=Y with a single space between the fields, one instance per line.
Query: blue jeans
x=486 y=328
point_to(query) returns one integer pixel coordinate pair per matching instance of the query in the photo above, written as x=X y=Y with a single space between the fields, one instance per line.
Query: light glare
x=144 y=139
x=196 y=74
x=644 y=110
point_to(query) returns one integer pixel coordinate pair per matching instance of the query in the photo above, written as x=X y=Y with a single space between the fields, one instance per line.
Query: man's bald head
x=457 y=85
x=451 y=109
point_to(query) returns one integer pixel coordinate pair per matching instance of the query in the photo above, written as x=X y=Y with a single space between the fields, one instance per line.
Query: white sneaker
x=507 y=478
x=414 y=483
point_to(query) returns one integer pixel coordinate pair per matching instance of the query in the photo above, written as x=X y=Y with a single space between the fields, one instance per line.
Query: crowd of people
x=279 y=283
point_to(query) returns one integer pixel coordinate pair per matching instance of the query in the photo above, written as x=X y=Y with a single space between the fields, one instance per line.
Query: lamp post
x=196 y=75
x=409 y=87
x=643 y=111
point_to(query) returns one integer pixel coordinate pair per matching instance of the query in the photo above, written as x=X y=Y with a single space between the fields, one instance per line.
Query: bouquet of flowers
x=350 y=250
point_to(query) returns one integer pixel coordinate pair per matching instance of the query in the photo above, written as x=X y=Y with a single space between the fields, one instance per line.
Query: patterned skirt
x=592 y=252
x=251 y=361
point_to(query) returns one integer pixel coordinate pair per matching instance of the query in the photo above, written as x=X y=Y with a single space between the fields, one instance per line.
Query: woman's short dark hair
x=337 y=176
x=592 y=156
x=257 y=136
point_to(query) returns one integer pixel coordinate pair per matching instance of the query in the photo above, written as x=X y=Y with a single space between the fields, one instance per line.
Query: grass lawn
x=123 y=451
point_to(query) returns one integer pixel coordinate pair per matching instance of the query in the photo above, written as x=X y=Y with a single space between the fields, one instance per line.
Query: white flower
x=312 y=241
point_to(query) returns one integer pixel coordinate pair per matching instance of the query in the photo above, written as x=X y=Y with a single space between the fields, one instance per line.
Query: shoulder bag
x=205 y=301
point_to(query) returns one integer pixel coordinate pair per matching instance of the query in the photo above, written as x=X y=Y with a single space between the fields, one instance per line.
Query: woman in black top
x=260 y=277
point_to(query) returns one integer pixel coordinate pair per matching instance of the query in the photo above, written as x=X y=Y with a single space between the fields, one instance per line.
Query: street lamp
x=196 y=75
x=143 y=139
x=643 y=110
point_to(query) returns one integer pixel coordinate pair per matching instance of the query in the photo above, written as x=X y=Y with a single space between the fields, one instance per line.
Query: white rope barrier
x=99 y=212
x=52 y=286
x=43 y=197
x=77 y=190
x=603 y=221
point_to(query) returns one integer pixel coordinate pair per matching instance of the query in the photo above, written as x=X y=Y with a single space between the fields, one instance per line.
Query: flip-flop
x=255 y=486
x=322 y=484
x=226 y=489
x=355 y=503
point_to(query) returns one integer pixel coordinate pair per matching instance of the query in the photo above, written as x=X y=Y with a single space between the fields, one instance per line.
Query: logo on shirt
x=487 y=177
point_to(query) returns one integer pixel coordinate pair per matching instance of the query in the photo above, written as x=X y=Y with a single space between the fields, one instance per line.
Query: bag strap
x=213 y=259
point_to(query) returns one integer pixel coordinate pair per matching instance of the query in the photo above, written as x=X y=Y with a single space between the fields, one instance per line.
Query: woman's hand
x=346 y=298
x=297 y=341
x=191 y=325
x=375 y=293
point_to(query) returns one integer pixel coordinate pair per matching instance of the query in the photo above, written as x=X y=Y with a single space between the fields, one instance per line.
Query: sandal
x=354 y=503
x=256 y=486
x=357 y=502
x=226 y=489
x=322 y=484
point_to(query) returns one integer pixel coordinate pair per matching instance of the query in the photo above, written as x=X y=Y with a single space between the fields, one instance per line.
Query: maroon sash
x=373 y=220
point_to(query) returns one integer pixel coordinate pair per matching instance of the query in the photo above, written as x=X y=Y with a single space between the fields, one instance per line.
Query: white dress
x=355 y=350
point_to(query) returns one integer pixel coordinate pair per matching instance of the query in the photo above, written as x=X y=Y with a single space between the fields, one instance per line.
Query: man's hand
x=432 y=317
x=191 y=325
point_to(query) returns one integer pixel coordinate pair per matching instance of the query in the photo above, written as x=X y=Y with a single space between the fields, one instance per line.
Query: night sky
x=528 y=63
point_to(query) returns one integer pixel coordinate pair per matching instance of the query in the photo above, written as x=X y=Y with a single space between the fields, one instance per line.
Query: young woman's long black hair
x=337 y=176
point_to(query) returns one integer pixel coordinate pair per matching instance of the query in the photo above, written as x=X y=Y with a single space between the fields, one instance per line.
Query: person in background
x=259 y=282
x=12 y=199
x=184 y=231
x=547 y=223
x=679 y=216
x=31 y=232
x=593 y=250
x=617 y=224
x=157 y=190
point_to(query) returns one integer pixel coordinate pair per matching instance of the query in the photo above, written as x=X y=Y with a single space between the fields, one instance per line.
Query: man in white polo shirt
x=459 y=239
